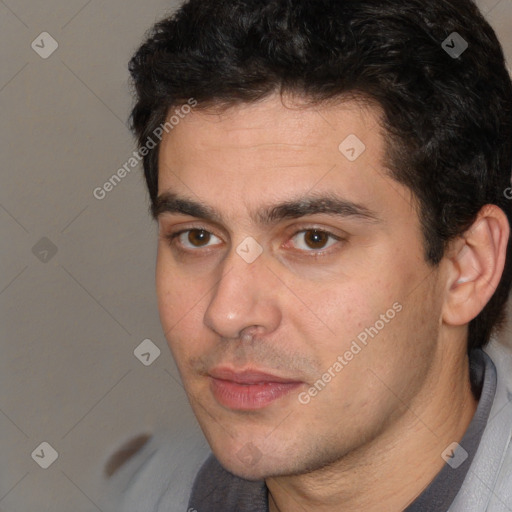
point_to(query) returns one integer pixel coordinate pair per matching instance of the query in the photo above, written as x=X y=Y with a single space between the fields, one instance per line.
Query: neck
x=391 y=471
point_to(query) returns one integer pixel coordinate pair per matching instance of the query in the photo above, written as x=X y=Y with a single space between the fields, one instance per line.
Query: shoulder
x=488 y=484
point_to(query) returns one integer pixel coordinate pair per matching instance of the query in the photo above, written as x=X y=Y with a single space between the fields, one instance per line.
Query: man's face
x=313 y=287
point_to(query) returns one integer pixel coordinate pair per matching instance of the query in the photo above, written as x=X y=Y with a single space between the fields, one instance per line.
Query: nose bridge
x=242 y=297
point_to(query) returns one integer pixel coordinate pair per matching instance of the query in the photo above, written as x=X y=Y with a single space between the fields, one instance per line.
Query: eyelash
x=171 y=238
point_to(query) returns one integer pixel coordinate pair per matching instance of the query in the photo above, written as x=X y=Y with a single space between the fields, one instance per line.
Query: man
x=329 y=185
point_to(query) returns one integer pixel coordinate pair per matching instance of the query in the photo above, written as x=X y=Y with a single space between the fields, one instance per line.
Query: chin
x=244 y=459
x=250 y=471
x=247 y=461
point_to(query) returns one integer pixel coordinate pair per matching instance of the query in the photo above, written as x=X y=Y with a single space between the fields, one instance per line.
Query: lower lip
x=249 y=396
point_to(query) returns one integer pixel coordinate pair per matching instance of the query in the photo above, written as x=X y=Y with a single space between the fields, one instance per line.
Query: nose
x=245 y=300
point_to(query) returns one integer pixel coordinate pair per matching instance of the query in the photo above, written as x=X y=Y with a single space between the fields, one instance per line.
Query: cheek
x=179 y=306
x=362 y=323
x=342 y=311
x=166 y=291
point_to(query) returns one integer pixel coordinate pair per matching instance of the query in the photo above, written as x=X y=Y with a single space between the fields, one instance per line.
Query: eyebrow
x=330 y=204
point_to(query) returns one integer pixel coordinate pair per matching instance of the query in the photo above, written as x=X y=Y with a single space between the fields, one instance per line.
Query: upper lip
x=247 y=376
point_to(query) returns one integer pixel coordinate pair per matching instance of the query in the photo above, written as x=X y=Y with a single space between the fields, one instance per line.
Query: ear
x=475 y=265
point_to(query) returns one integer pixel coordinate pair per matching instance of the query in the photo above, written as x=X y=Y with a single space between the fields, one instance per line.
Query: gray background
x=72 y=320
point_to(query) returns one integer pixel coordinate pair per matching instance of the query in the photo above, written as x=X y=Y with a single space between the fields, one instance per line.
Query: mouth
x=249 y=389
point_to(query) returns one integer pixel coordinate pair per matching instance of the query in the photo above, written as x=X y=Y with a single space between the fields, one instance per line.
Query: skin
x=372 y=439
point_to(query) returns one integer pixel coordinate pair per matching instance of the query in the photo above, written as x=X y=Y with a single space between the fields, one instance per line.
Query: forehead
x=275 y=124
x=269 y=151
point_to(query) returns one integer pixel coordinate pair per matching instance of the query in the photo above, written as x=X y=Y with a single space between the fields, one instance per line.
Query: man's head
x=333 y=163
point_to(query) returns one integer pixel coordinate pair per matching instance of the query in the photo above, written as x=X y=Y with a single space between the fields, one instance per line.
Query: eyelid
x=312 y=226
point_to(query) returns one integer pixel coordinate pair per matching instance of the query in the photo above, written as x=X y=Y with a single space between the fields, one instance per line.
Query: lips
x=248 y=389
x=247 y=376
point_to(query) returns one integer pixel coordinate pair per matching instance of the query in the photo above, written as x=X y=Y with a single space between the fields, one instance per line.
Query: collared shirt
x=217 y=490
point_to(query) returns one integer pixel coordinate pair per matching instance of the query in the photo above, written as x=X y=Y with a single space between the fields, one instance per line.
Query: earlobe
x=476 y=263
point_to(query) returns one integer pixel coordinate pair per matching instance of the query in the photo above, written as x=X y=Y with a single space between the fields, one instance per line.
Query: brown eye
x=198 y=237
x=316 y=239
x=312 y=240
x=192 y=240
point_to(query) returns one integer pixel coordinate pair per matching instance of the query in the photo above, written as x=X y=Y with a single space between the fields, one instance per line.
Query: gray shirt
x=217 y=490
